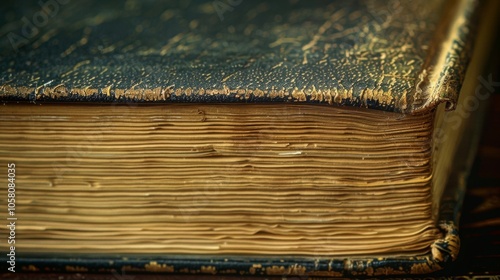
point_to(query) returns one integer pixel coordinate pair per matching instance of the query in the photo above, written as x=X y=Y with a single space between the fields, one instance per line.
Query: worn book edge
x=443 y=72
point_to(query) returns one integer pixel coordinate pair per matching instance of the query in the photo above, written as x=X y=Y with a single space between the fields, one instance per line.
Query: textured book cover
x=312 y=138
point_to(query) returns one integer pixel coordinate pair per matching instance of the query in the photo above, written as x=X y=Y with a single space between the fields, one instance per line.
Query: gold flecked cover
x=403 y=56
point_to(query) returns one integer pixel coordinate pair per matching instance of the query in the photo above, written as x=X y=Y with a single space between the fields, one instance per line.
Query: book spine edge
x=442 y=74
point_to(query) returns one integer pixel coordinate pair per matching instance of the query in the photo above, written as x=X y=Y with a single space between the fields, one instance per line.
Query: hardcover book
x=316 y=138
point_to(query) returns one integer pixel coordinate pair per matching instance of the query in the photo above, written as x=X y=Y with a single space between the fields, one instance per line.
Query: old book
x=278 y=138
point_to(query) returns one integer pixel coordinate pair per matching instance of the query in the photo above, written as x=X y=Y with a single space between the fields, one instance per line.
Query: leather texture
x=390 y=55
